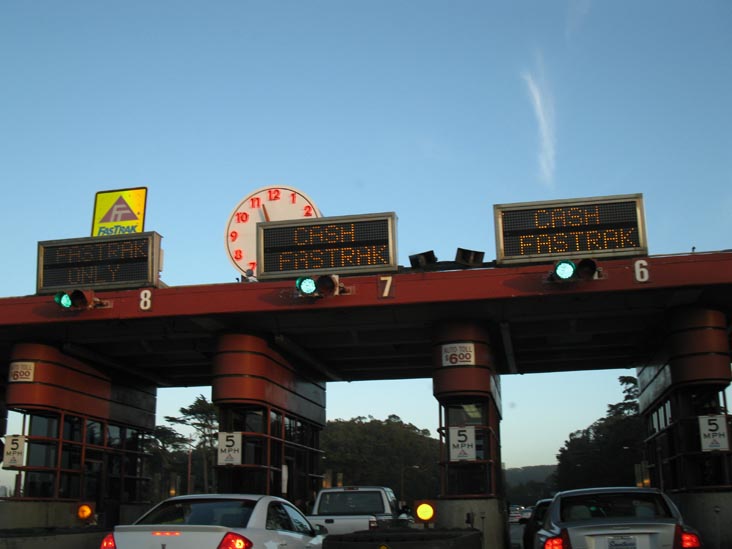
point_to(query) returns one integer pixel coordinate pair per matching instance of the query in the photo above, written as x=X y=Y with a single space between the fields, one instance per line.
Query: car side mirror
x=320 y=530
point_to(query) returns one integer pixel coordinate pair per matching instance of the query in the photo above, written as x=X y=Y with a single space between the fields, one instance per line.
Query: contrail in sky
x=544 y=111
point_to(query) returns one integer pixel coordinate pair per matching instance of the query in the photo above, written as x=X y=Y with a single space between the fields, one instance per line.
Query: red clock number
x=273 y=194
x=238 y=255
x=233 y=235
x=242 y=217
x=308 y=211
x=253 y=265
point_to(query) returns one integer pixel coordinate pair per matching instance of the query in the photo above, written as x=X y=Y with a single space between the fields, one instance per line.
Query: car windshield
x=233 y=513
x=614 y=505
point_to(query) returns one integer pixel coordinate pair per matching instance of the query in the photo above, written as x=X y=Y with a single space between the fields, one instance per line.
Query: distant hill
x=534 y=473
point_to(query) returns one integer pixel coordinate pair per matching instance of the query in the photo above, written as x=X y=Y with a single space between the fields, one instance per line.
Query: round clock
x=265 y=204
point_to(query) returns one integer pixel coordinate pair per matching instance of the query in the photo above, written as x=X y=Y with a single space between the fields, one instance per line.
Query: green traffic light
x=306 y=285
x=565 y=269
x=63 y=299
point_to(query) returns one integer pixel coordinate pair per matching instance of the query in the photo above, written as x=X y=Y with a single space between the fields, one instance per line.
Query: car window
x=277 y=517
x=540 y=511
x=299 y=522
x=224 y=512
x=613 y=505
x=350 y=503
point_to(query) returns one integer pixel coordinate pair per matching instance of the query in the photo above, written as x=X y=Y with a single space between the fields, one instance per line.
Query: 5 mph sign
x=713 y=433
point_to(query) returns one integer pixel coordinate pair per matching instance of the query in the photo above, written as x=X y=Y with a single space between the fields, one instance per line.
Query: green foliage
x=605 y=453
x=202 y=417
x=526 y=485
x=367 y=451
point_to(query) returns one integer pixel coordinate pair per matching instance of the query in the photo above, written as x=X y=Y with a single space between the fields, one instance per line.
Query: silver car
x=218 y=521
x=614 y=518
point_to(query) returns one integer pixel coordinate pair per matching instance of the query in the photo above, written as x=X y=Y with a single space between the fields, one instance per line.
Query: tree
x=202 y=417
x=605 y=453
x=168 y=456
x=367 y=451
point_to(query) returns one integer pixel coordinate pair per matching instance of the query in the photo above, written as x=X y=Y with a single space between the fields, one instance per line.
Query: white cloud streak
x=543 y=105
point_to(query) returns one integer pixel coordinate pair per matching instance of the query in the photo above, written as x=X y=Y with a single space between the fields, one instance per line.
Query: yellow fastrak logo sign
x=119 y=212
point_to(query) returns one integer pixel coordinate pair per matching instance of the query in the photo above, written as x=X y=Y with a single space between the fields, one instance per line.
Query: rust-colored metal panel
x=710 y=368
x=698 y=346
x=58 y=382
x=246 y=369
x=458 y=381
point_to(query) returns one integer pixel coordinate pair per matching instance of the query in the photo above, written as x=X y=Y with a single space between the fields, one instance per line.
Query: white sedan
x=218 y=521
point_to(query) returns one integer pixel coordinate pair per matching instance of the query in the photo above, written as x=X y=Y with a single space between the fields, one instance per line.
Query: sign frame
x=14 y=451
x=230 y=448
x=462 y=443
x=105 y=203
x=391 y=249
x=150 y=277
x=713 y=433
x=502 y=258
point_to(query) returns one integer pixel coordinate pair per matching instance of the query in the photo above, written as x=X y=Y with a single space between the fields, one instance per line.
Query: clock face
x=265 y=204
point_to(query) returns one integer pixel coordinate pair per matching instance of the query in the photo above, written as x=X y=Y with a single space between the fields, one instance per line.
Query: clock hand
x=266 y=215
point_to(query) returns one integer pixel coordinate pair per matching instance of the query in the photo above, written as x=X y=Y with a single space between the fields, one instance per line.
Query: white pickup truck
x=354 y=508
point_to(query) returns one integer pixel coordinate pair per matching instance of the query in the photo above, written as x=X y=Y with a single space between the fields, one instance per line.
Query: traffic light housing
x=566 y=270
x=78 y=300
x=321 y=286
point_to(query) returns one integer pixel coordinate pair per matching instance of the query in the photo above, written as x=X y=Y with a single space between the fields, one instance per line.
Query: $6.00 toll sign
x=458 y=354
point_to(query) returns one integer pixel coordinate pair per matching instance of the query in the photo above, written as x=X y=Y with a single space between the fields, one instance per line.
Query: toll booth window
x=69 y=485
x=134 y=440
x=248 y=420
x=71 y=457
x=41 y=454
x=467 y=414
x=114 y=436
x=468 y=479
x=254 y=451
x=73 y=426
x=92 y=478
x=43 y=425
x=94 y=432
x=276 y=453
x=275 y=419
x=39 y=484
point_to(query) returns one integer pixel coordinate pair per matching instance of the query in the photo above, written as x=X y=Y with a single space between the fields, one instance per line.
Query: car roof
x=255 y=497
x=608 y=490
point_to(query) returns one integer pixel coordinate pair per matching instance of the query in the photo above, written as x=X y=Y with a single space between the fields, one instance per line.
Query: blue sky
x=432 y=109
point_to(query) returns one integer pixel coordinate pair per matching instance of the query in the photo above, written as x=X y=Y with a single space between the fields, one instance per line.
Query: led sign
x=97 y=263
x=586 y=227
x=327 y=245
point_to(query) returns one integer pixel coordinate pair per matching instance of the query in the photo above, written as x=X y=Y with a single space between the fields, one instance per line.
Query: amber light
x=166 y=534
x=84 y=511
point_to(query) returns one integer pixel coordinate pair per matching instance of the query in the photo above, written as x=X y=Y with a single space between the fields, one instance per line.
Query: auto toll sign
x=119 y=212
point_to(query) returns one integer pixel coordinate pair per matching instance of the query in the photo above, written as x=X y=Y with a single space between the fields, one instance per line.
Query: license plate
x=621 y=542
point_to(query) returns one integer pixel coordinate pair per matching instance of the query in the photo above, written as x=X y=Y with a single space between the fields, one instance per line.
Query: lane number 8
x=145 y=300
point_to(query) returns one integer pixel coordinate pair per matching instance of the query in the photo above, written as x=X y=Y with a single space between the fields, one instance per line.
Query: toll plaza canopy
x=381 y=325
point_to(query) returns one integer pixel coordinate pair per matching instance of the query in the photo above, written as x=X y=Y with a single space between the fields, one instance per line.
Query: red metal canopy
x=382 y=326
